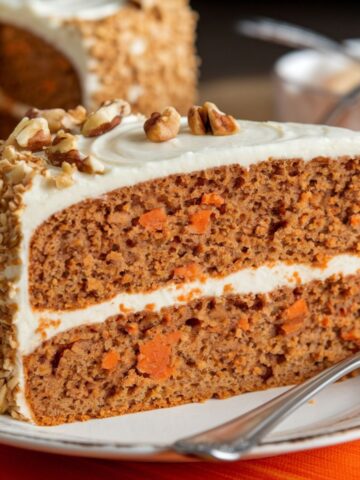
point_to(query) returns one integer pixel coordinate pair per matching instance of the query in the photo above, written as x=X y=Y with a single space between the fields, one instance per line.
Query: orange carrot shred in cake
x=155 y=357
x=153 y=220
x=110 y=360
x=355 y=220
x=200 y=221
x=150 y=307
x=212 y=199
x=189 y=272
x=244 y=324
x=351 y=336
x=297 y=310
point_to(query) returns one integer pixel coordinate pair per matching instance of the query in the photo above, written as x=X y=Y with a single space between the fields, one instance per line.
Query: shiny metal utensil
x=233 y=439
x=291 y=35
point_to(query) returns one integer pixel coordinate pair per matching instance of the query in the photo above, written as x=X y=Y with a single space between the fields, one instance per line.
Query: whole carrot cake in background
x=150 y=264
x=60 y=53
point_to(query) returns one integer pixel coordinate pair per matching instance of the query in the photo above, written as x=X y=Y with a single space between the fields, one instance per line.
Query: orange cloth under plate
x=333 y=463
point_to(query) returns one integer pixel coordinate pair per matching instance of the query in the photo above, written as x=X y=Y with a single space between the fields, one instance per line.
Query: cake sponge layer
x=209 y=348
x=184 y=227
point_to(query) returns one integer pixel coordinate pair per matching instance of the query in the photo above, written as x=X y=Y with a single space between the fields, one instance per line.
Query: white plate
x=333 y=417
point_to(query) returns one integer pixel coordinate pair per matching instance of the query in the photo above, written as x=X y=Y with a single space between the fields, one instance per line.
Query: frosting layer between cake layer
x=254 y=281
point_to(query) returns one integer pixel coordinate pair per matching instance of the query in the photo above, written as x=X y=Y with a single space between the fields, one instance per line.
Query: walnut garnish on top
x=31 y=134
x=209 y=119
x=105 y=118
x=161 y=127
x=60 y=119
x=64 y=149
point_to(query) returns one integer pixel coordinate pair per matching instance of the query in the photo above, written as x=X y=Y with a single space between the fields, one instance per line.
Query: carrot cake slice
x=147 y=264
x=60 y=53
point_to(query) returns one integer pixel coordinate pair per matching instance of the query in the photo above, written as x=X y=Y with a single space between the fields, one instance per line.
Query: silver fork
x=230 y=441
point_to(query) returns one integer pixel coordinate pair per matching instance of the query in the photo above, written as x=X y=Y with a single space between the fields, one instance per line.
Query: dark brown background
x=236 y=71
x=224 y=52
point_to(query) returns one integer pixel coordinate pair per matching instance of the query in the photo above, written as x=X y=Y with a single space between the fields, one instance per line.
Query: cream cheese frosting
x=264 y=279
x=129 y=158
x=82 y=9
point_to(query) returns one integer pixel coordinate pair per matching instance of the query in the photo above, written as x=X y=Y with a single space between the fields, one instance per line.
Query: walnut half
x=161 y=127
x=209 y=119
x=30 y=134
x=107 y=117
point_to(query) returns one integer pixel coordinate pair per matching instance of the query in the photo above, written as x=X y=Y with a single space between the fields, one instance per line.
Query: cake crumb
x=44 y=324
x=124 y=309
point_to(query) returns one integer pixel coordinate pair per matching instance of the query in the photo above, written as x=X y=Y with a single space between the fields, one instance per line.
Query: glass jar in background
x=308 y=84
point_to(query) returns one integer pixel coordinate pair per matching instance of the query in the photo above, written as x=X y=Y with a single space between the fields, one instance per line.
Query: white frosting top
x=82 y=9
x=130 y=158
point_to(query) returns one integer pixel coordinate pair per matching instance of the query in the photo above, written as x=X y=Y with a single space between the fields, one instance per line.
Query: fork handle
x=233 y=439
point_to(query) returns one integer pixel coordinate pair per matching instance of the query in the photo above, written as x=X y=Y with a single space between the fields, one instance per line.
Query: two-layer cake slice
x=156 y=274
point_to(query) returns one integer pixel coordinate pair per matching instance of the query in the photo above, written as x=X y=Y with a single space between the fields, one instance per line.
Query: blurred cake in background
x=60 y=53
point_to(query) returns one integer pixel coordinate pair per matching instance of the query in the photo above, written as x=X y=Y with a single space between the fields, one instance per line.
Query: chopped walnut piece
x=145 y=4
x=220 y=123
x=106 y=117
x=200 y=221
x=154 y=219
x=212 y=199
x=65 y=178
x=198 y=120
x=64 y=149
x=31 y=134
x=189 y=272
x=92 y=165
x=161 y=127
x=19 y=173
x=209 y=119
x=60 y=119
